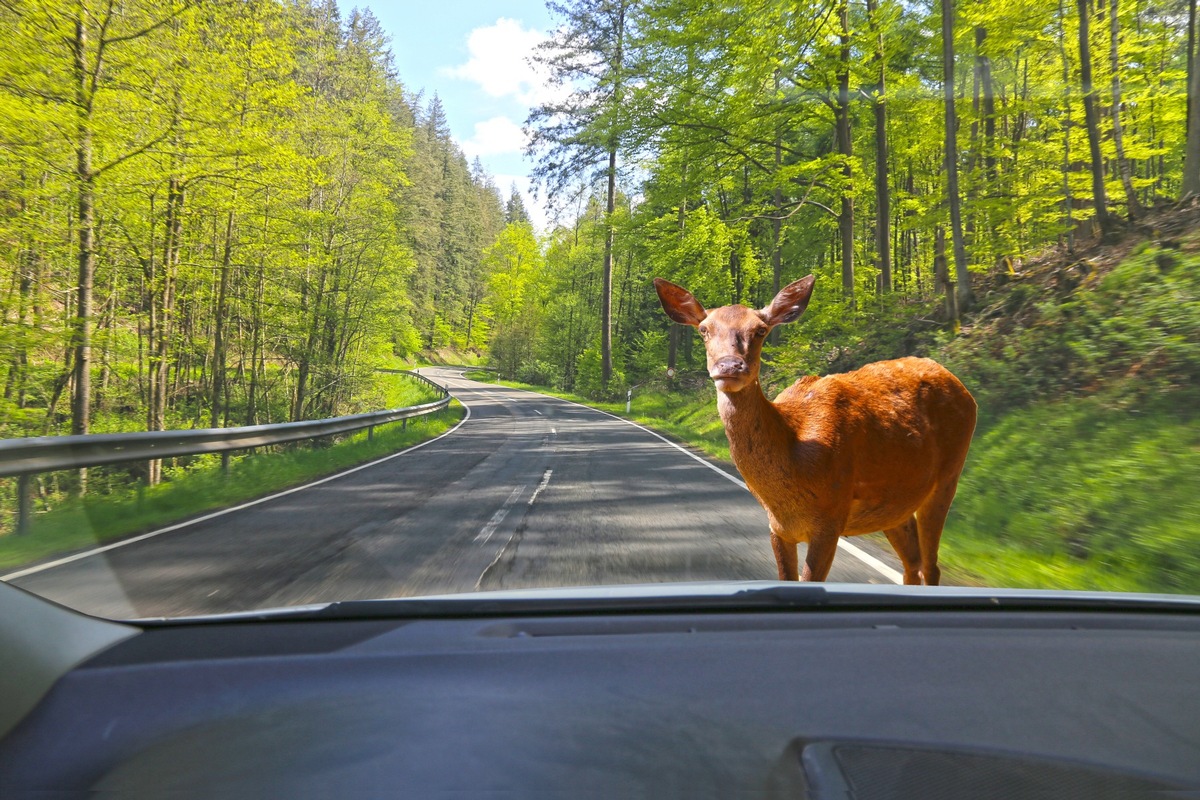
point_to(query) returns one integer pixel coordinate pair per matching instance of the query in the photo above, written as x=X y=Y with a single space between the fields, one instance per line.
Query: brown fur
x=877 y=449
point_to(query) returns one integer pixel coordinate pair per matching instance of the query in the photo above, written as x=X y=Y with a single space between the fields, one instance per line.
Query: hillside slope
x=1085 y=469
x=1085 y=472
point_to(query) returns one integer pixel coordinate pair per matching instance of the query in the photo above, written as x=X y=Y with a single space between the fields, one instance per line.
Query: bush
x=650 y=354
x=589 y=377
x=539 y=373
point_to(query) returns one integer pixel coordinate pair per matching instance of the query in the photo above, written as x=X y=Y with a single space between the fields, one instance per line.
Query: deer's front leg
x=819 y=559
x=785 y=558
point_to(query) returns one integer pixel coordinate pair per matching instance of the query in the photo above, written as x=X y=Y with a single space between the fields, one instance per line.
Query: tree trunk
x=1092 y=119
x=606 y=292
x=777 y=218
x=1191 y=157
x=1068 y=199
x=883 y=202
x=27 y=261
x=987 y=104
x=86 y=180
x=1192 y=91
x=942 y=280
x=219 y=390
x=1131 y=199
x=960 y=253
x=845 y=149
x=610 y=206
x=162 y=300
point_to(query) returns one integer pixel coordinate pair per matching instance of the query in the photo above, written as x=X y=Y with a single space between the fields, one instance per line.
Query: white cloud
x=494 y=136
x=500 y=62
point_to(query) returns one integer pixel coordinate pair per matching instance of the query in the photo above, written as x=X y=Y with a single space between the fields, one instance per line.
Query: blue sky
x=472 y=54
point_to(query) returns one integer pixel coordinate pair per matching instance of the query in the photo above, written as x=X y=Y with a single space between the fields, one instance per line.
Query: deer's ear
x=679 y=303
x=790 y=303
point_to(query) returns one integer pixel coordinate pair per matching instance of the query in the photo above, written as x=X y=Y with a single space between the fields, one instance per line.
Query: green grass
x=81 y=523
x=1079 y=494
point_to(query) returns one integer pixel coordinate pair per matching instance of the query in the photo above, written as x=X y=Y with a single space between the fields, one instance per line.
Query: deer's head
x=734 y=335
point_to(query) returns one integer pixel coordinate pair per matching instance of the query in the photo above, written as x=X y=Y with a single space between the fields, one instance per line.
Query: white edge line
x=862 y=555
x=894 y=575
x=97 y=551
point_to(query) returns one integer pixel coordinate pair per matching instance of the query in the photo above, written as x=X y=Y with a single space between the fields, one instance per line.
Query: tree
x=91 y=37
x=515 y=286
x=1131 y=199
x=845 y=148
x=1191 y=165
x=883 y=213
x=514 y=209
x=961 y=274
x=582 y=134
x=1092 y=120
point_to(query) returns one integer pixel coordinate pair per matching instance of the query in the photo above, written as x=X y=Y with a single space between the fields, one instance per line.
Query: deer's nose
x=728 y=367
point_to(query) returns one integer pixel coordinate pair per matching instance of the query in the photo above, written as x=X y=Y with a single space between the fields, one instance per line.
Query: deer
x=877 y=449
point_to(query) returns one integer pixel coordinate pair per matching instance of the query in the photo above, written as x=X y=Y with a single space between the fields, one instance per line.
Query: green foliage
x=1131 y=335
x=693 y=251
x=830 y=338
x=649 y=354
x=274 y=215
x=1082 y=494
x=513 y=303
x=589 y=379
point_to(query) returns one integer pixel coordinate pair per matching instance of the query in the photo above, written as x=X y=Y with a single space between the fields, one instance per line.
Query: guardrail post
x=404 y=424
x=24 y=503
x=225 y=463
x=371 y=433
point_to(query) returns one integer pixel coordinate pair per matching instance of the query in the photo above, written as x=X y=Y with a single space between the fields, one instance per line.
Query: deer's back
x=900 y=397
x=890 y=428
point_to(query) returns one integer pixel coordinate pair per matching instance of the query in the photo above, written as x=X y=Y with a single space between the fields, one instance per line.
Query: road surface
x=529 y=491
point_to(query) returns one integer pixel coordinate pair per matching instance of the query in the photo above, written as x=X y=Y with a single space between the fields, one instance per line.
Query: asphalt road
x=530 y=491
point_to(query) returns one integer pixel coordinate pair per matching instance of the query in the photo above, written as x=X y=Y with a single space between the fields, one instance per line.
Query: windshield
x=305 y=302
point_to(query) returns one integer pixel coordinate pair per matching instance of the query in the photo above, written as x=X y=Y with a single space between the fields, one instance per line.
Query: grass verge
x=80 y=523
x=1081 y=494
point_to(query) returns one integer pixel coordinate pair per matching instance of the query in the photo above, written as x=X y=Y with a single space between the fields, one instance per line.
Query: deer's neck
x=753 y=425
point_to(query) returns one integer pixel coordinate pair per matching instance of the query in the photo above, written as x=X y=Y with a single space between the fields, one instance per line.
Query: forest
x=735 y=147
x=220 y=213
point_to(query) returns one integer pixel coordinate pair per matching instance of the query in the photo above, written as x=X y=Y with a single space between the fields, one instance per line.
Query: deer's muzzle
x=728 y=367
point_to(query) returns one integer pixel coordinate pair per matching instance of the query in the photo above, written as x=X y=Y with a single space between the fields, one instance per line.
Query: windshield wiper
x=712 y=598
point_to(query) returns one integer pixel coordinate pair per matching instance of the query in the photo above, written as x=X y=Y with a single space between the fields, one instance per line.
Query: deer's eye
x=704 y=331
x=761 y=332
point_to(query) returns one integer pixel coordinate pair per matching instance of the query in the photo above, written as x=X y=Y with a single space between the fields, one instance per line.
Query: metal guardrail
x=24 y=457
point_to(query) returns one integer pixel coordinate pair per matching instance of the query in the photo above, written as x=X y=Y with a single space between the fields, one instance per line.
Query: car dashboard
x=625 y=694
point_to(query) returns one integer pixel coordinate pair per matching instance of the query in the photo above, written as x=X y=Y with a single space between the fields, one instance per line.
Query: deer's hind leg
x=786 y=558
x=905 y=541
x=931 y=518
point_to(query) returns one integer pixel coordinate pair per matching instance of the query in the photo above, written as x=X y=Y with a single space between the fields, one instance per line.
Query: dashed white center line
x=537 y=412
x=540 y=486
x=486 y=532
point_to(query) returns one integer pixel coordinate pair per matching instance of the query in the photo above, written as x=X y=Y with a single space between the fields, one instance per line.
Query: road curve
x=530 y=491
